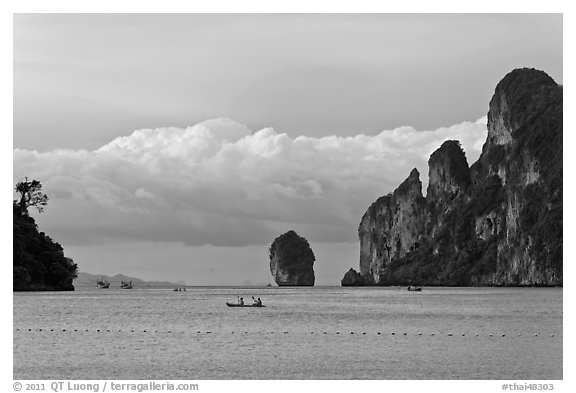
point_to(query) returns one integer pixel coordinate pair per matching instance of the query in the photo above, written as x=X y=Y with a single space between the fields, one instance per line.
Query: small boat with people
x=103 y=283
x=243 y=305
x=126 y=285
x=415 y=289
x=240 y=303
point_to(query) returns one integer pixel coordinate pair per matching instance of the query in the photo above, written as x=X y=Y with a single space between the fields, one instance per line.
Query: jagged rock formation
x=39 y=262
x=292 y=260
x=498 y=222
x=353 y=279
x=391 y=227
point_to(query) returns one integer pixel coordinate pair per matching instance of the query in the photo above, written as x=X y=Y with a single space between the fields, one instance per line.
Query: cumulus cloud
x=220 y=183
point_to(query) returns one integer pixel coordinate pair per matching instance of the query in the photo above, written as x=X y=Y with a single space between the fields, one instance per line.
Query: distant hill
x=89 y=280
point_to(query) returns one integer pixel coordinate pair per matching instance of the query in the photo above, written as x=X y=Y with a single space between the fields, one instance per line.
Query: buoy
x=419 y=333
x=231 y=332
x=351 y=332
x=144 y=331
x=337 y=332
x=519 y=335
x=404 y=333
x=75 y=330
x=311 y=332
x=98 y=330
x=536 y=335
x=476 y=334
x=63 y=330
x=39 y=330
x=107 y=330
x=393 y=333
x=29 y=330
x=431 y=334
x=463 y=334
x=378 y=332
x=503 y=335
x=450 y=334
x=552 y=335
x=363 y=332
x=324 y=332
x=490 y=335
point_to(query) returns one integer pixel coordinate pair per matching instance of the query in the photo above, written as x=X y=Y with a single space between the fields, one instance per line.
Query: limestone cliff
x=498 y=222
x=292 y=260
x=392 y=227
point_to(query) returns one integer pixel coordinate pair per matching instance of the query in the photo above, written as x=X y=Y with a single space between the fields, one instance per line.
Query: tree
x=31 y=195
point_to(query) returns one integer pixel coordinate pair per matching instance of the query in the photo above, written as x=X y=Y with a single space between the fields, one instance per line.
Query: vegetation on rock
x=39 y=262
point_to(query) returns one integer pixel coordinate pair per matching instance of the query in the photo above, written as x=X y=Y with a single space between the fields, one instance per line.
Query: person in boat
x=259 y=302
x=241 y=302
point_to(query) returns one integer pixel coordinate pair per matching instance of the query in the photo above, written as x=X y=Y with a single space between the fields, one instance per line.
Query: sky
x=178 y=146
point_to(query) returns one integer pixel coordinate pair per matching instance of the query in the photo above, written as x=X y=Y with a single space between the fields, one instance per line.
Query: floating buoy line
x=324 y=332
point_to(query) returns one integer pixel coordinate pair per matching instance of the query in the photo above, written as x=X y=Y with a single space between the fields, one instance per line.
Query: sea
x=320 y=333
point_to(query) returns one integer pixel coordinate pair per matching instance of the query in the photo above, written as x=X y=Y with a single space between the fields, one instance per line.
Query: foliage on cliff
x=39 y=262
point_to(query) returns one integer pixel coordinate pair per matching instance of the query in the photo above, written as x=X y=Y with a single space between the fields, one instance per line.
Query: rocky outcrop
x=39 y=263
x=292 y=260
x=498 y=222
x=353 y=279
x=449 y=174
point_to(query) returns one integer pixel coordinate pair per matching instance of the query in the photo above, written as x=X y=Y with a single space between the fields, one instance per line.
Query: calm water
x=162 y=334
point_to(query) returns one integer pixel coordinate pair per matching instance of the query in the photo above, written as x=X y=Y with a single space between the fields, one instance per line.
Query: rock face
x=498 y=222
x=353 y=279
x=292 y=260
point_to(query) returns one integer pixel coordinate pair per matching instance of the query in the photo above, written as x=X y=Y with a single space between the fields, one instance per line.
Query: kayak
x=243 y=305
x=417 y=289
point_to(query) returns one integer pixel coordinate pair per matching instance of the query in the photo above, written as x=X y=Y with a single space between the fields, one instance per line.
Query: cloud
x=220 y=183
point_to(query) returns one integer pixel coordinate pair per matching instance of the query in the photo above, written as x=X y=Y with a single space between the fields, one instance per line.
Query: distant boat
x=415 y=289
x=102 y=283
x=126 y=285
x=268 y=285
x=244 y=305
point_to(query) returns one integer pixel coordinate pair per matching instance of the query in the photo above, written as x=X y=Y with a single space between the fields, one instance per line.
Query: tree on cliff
x=31 y=195
x=39 y=263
